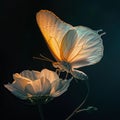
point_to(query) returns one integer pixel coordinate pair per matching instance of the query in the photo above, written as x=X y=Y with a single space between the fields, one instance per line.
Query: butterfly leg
x=66 y=75
x=58 y=71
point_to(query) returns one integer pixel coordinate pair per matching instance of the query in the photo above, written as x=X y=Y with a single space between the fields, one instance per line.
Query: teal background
x=21 y=40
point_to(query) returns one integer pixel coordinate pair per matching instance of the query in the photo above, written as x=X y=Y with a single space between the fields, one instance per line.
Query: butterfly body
x=62 y=66
x=72 y=47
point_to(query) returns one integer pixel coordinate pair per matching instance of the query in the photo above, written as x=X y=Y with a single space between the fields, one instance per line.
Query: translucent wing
x=67 y=44
x=79 y=74
x=82 y=47
x=53 y=29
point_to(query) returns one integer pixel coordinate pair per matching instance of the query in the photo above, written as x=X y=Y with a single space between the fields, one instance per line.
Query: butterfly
x=72 y=47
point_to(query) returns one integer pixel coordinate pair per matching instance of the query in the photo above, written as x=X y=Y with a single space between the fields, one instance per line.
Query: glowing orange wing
x=53 y=30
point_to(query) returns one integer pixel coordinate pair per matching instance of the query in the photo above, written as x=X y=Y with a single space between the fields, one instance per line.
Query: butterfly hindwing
x=88 y=49
x=67 y=44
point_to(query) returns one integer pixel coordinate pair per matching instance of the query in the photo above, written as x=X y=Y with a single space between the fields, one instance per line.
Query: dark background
x=20 y=40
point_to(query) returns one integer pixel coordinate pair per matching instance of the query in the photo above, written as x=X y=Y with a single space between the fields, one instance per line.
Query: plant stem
x=41 y=111
x=77 y=110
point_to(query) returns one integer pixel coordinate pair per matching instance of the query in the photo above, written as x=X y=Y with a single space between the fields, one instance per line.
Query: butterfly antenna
x=46 y=58
x=42 y=57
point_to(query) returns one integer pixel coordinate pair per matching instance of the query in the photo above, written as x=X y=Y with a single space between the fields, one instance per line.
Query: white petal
x=59 y=87
x=46 y=86
x=50 y=75
x=17 y=92
x=32 y=75
x=20 y=82
x=37 y=74
x=39 y=87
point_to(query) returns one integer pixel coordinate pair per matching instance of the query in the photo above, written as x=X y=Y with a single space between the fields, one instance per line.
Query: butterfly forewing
x=53 y=29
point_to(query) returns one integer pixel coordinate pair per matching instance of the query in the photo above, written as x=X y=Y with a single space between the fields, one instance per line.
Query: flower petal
x=50 y=75
x=17 y=92
x=37 y=74
x=20 y=82
x=38 y=87
x=32 y=75
x=59 y=87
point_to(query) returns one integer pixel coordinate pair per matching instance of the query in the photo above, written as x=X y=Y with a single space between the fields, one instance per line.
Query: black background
x=20 y=40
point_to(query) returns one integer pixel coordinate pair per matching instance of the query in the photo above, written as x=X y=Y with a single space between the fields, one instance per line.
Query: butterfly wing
x=53 y=30
x=67 y=44
x=83 y=46
x=79 y=74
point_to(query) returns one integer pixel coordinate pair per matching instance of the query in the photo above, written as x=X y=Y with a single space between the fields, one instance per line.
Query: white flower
x=35 y=86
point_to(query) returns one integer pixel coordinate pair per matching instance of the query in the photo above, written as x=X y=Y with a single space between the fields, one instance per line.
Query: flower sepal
x=40 y=99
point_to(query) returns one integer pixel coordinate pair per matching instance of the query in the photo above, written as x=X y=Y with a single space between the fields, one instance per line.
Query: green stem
x=77 y=110
x=41 y=111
